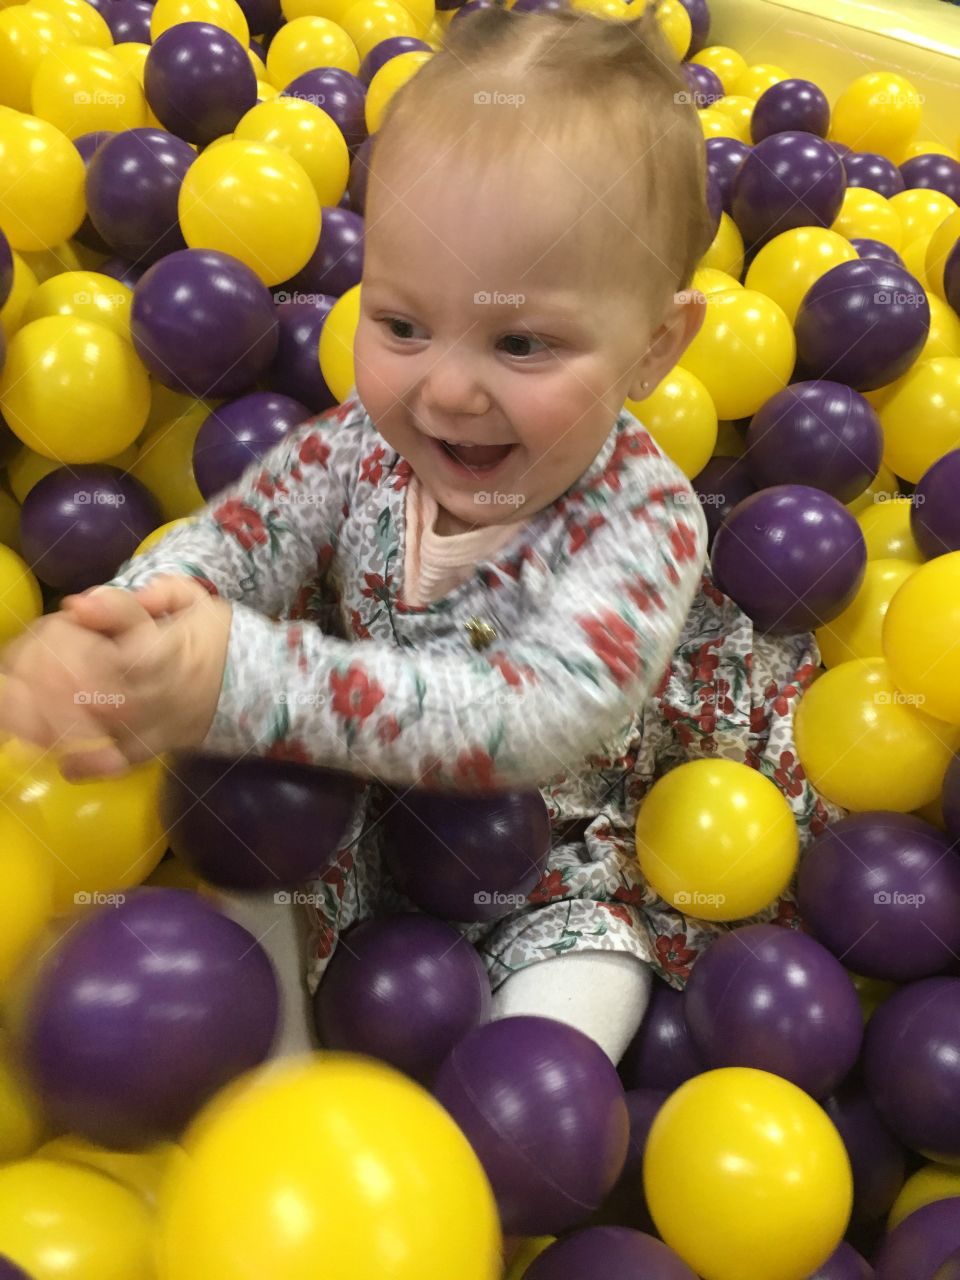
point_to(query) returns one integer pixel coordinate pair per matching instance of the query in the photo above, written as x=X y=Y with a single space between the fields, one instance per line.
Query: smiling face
x=490 y=353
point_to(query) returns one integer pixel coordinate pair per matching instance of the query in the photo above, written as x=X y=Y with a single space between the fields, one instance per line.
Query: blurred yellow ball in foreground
x=792 y=262
x=333 y=1157
x=716 y=839
x=21 y=1117
x=336 y=343
x=680 y=416
x=866 y=746
x=28 y=891
x=746 y=1176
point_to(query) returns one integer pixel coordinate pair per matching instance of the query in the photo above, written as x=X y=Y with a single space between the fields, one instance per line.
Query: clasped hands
x=116 y=677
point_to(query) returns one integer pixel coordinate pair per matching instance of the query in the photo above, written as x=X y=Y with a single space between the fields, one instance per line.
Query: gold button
x=481 y=633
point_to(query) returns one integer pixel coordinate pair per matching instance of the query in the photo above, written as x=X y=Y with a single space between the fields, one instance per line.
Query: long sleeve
x=257 y=541
x=538 y=702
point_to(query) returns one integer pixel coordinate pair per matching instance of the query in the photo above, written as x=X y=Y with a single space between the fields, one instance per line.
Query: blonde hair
x=606 y=99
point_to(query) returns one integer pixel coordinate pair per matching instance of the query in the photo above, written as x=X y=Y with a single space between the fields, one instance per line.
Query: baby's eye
x=400 y=328
x=522 y=344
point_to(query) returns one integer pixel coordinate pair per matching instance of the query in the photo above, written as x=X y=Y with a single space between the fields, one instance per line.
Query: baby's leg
x=280 y=928
x=604 y=994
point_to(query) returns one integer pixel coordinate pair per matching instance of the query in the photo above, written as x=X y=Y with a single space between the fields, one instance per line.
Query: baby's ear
x=669 y=342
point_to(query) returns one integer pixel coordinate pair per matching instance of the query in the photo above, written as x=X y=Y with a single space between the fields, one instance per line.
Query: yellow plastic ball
x=530 y=1249
x=615 y=10
x=792 y=262
x=866 y=214
x=423 y=12
x=331 y=9
x=914 y=258
x=921 y=211
x=745 y=1175
x=21 y=1118
x=856 y=632
x=920 y=631
x=754 y=81
x=336 y=343
x=255 y=202
x=165 y=463
x=884 y=482
x=226 y=14
x=82 y=90
x=674 y=22
x=940 y=245
x=25 y=468
x=391 y=77
x=266 y=92
x=710 y=280
x=101 y=836
x=28 y=885
x=864 y=746
x=371 y=1174
x=305 y=132
x=370 y=21
x=41 y=182
x=27 y=35
x=167 y=406
x=680 y=416
x=744 y=352
x=943 y=339
x=921 y=417
x=161 y=531
x=726 y=252
x=85 y=295
x=73 y=390
x=62 y=1222
x=927 y=147
x=47 y=263
x=20 y=599
x=24 y=283
x=84 y=22
x=730 y=441
x=930 y=1183
x=716 y=839
x=725 y=62
x=306 y=43
x=885 y=526
x=871 y=993
x=142 y=1172
x=740 y=110
x=717 y=124
x=879 y=111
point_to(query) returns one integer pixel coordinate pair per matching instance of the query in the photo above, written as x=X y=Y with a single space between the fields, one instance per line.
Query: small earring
x=644 y=385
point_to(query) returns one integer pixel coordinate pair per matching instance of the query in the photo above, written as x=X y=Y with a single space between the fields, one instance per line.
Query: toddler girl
x=478 y=571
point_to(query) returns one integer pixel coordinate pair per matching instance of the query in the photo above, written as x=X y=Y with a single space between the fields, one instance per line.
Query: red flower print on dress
x=674 y=954
x=475 y=767
x=712 y=593
x=633 y=895
x=291 y=749
x=401 y=474
x=267 y=485
x=781 y=703
x=357 y=625
x=388 y=729
x=377 y=588
x=621 y=913
x=326 y=940
x=683 y=542
x=371 y=467
x=242 y=523
x=758 y=720
x=514 y=676
x=789 y=776
x=207 y=585
x=644 y=594
x=580 y=533
x=615 y=644
x=551 y=886
x=355 y=695
x=314 y=449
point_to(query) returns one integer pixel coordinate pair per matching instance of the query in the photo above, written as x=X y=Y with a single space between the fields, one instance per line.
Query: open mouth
x=475 y=458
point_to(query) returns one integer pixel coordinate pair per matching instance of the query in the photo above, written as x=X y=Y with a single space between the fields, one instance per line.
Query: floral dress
x=587 y=659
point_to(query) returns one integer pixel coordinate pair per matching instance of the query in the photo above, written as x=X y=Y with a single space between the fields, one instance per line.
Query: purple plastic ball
x=78 y=524
x=642 y=1106
x=862 y=323
x=199 y=81
x=337 y=92
x=705 y=85
x=951 y=278
x=877 y=1159
x=791 y=557
x=143 y=1012
x=473 y=6
x=526 y=6
x=127 y=273
x=615 y=1253
x=882 y=891
x=791 y=104
x=543 y=1108
x=239 y=432
x=725 y=157
x=775 y=999
x=263 y=16
x=466 y=856
x=721 y=485
x=867 y=248
x=791 y=179
x=818 y=433
x=911 y=1066
x=405 y=990
x=844 y=1264
x=337 y=262
x=842 y=149
x=937 y=172
x=204 y=323
x=296 y=368
x=950 y=799
x=6 y=268
x=935 y=511
x=8 y=1271
x=233 y=838
x=87 y=234
x=359 y=174
x=699 y=15
x=133 y=186
x=129 y=21
x=662 y=1055
x=876 y=172
x=919 y=1245
x=382 y=52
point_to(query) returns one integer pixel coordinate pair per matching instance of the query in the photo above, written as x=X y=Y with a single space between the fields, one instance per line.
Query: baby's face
x=481 y=356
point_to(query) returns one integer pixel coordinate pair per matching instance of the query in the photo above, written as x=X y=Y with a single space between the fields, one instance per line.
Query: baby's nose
x=451 y=386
